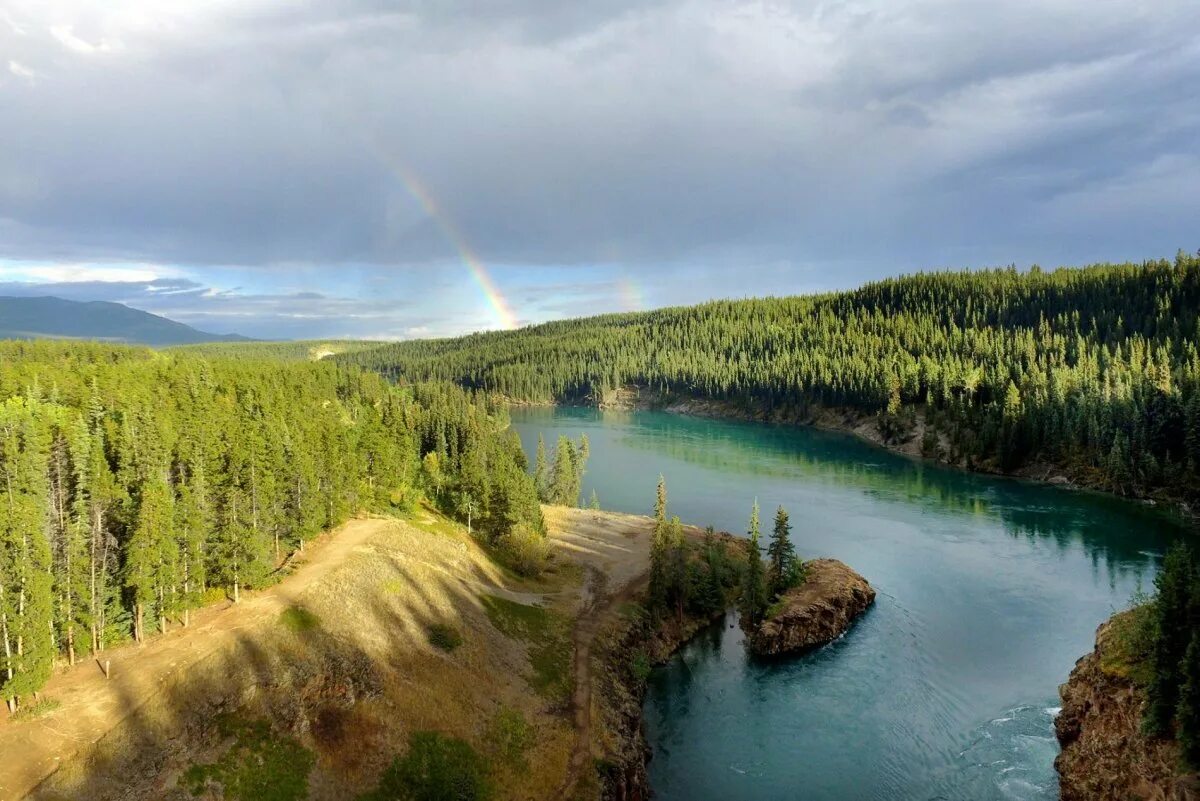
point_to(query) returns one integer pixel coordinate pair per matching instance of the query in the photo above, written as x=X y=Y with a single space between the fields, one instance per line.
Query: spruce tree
x=1173 y=624
x=540 y=472
x=754 y=588
x=1188 y=711
x=659 y=550
x=781 y=557
x=26 y=605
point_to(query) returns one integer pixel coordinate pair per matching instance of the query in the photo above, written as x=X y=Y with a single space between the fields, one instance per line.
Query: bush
x=298 y=619
x=524 y=550
x=444 y=637
x=508 y=737
x=258 y=766
x=437 y=767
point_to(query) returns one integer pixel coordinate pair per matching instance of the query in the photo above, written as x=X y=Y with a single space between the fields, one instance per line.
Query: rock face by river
x=817 y=612
x=1105 y=756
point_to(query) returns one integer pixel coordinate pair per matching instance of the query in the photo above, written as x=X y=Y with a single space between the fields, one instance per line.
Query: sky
x=366 y=168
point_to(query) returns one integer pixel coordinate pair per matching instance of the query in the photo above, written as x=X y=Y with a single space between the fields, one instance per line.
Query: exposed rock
x=1105 y=756
x=817 y=612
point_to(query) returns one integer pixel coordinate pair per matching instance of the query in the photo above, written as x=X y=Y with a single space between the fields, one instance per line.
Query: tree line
x=1173 y=708
x=1095 y=369
x=137 y=485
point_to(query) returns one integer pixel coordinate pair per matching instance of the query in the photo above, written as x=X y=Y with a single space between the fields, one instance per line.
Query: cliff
x=817 y=612
x=1105 y=756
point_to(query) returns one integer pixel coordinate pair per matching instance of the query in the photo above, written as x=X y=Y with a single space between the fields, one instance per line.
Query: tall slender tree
x=781 y=556
x=754 y=587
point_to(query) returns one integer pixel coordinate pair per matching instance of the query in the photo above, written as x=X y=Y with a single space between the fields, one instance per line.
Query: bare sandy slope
x=353 y=688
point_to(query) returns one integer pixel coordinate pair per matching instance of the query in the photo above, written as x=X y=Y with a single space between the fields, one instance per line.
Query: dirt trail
x=91 y=705
x=615 y=552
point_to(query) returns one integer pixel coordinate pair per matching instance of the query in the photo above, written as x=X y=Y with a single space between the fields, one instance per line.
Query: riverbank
x=915 y=439
x=1105 y=756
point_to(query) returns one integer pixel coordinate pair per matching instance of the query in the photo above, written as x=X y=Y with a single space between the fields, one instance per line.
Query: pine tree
x=540 y=472
x=26 y=605
x=1173 y=611
x=754 y=589
x=148 y=555
x=781 y=557
x=659 y=550
x=1188 y=711
x=594 y=503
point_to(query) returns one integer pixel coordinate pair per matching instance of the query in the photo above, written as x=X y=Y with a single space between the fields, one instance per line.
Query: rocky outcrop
x=1105 y=756
x=817 y=612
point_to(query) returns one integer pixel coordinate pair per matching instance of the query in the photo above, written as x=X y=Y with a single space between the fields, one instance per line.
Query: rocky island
x=816 y=612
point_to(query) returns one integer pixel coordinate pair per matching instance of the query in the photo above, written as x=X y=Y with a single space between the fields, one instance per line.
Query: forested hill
x=1093 y=368
x=49 y=317
x=138 y=485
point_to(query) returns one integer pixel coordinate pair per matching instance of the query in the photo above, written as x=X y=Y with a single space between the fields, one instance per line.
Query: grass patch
x=1129 y=643
x=437 y=767
x=444 y=637
x=509 y=736
x=258 y=766
x=547 y=636
x=43 y=706
x=299 y=619
x=394 y=586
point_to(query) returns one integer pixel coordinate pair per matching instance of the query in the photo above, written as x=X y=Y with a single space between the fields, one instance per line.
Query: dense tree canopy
x=134 y=482
x=1096 y=367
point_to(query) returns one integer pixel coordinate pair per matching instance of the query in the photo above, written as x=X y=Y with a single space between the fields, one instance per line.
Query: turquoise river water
x=989 y=590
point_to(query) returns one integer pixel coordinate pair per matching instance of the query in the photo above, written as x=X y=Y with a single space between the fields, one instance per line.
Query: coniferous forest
x=138 y=485
x=1095 y=369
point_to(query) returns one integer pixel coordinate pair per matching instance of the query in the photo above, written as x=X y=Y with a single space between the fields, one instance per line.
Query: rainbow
x=479 y=271
x=632 y=297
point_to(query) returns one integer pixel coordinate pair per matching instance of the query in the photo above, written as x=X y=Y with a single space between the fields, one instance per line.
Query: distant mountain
x=55 y=318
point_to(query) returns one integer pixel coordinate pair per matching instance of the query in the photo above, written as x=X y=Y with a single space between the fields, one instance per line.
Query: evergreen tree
x=594 y=503
x=754 y=587
x=782 y=569
x=1188 y=712
x=1174 y=609
x=660 y=551
x=540 y=473
x=26 y=605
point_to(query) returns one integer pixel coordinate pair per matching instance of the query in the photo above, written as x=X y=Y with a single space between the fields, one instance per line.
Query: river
x=989 y=589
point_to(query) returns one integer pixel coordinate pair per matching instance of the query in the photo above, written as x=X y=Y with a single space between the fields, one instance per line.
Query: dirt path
x=91 y=706
x=615 y=552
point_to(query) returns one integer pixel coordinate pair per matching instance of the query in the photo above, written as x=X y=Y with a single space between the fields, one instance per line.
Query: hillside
x=1092 y=370
x=386 y=631
x=55 y=318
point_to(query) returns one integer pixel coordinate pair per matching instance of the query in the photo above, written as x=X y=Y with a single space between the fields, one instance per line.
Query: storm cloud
x=824 y=142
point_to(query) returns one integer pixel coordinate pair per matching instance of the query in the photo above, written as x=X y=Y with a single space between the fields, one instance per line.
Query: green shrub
x=437 y=767
x=641 y=666
x=298 y=619
x=524 y=550
x=508 y=737
x=258 y=766
x=444 y=637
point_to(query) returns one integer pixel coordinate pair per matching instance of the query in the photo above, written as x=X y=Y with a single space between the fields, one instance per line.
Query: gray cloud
x=863 y=136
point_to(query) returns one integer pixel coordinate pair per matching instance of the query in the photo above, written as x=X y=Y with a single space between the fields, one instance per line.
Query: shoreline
x=863 y=428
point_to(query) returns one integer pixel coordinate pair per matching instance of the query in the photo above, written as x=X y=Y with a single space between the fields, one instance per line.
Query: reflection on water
x=989 y=589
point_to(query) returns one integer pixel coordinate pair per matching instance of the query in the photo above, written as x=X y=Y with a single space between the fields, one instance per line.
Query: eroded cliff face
x=817 y=612
x=1105 y=756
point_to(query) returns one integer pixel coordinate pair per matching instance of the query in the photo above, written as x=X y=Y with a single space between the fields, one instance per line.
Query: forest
x=140 y=485
x=1093 y=369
